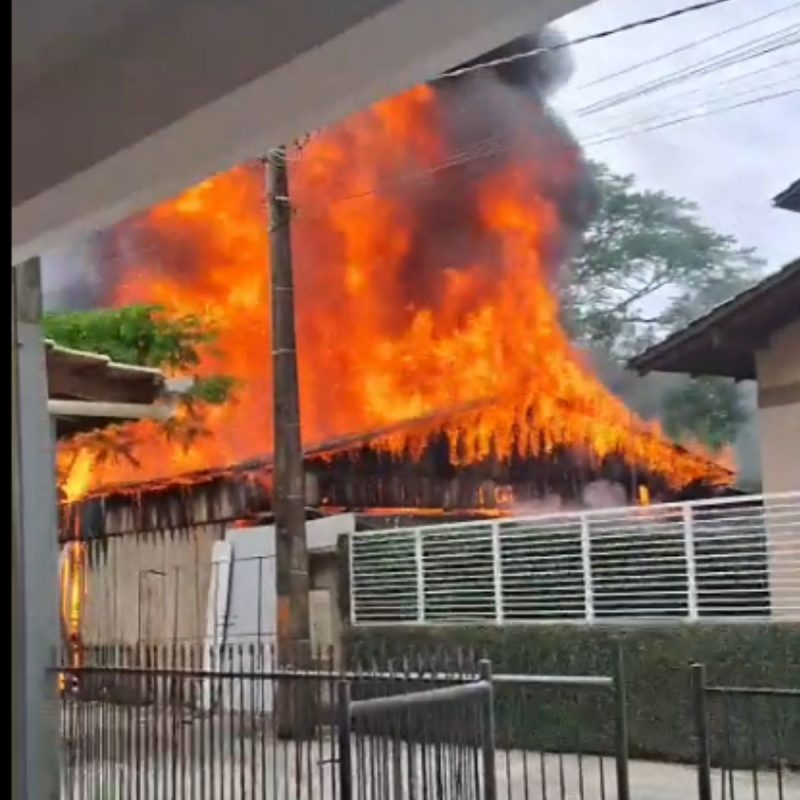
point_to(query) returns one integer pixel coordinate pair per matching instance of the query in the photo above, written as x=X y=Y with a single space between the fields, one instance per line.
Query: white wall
x=242 y=598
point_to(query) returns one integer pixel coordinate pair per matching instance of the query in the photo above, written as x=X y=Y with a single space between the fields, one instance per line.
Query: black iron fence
x=588 y=760
x=436 y=743
x=237 y=722
x=748 y=740
x=556 y=736
x=194 y=722
x=234 y=721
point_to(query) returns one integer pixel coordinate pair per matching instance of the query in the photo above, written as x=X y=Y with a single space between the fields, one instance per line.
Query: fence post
x=701 y=731
x=487 y=733
x=621 y=726
x=343 y=732
x=586 y=560
x=420 y=567
x=691 y=563
x=497 y=574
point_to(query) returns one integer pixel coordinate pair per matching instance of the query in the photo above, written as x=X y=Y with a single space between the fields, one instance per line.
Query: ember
x=424 y=279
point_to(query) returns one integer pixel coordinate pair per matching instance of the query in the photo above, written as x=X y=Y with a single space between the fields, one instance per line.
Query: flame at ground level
x=412 y=296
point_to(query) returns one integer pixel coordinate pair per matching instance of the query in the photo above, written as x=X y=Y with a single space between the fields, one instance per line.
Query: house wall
x=778 y=373
x=149 y=588
x=155 y=587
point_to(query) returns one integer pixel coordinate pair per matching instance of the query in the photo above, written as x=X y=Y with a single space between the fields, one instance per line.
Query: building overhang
x=87 y=391
x=724 y=342
x=789 y=199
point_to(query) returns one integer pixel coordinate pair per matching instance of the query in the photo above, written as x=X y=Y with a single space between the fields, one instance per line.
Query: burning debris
x=428 y=237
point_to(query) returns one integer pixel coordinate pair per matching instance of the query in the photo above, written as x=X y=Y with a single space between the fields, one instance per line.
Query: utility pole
x=288 y=493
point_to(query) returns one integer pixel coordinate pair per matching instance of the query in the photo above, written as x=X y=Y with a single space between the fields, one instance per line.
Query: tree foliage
x=649 y=267
x=146 y=336
x=141 y=335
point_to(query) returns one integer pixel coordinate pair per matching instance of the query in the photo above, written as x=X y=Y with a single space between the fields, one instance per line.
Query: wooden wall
x=150 y=586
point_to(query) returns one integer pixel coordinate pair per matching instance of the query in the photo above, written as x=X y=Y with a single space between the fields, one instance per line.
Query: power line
x=714 y=97
x=640 y=23
x=733 y=79
x=592 y=140
x=683 y=48
x=690 y=117
x=755 y=48
x=605 y=136
x=491 y=146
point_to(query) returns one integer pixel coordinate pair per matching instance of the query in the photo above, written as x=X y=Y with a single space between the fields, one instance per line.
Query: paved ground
x=272 y=770
x=520 y=776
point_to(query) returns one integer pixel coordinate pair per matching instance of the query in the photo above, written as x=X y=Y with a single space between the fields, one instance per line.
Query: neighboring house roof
x=79 y=375
x=724 y=341
x=789 y=199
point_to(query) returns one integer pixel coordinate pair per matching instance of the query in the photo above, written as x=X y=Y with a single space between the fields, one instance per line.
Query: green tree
x=709 y=410
x=648 y=267
x=143 y=335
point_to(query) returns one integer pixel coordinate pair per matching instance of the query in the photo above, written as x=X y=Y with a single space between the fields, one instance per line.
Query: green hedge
x=657 y=663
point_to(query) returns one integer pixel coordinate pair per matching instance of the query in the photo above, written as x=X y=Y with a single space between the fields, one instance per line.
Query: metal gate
x=433 y=744
x=193 y=722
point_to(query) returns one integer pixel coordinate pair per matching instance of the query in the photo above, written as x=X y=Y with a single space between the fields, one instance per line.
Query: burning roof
x=373 y=473
x=428 y=236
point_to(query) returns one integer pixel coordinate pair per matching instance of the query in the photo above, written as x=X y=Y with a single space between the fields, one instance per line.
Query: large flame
x=408 y=301
x=72 y=580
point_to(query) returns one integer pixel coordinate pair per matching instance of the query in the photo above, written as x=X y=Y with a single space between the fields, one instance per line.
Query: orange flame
x=383 y=337
x=73 y=572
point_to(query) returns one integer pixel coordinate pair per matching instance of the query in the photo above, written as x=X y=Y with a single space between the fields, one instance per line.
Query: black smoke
x=491 y=116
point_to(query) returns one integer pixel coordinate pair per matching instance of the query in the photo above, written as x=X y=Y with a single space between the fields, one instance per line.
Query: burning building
x=428 y=236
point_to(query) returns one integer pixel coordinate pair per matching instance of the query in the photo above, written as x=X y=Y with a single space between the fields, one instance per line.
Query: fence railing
x=722 y=558
x=226 y=722
x=436 y=743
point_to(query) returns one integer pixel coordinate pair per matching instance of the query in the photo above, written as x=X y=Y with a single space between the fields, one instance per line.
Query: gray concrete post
x=34 y=559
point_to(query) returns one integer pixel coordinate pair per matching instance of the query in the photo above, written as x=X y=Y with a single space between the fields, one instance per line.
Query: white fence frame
x=730 y=559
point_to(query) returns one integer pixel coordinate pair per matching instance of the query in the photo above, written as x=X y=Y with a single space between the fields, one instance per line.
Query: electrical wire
x=685 y=47
x=640 y=23
x=591 y=141
x=491 y=146
x=733 y=79
x=690 y=117
x=736 y=55
x=704 y=101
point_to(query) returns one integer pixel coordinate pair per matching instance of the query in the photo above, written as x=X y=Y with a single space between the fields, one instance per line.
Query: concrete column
x=34 y=558
x=778 y=371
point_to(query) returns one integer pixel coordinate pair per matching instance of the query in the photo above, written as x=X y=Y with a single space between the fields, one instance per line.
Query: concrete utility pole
x=34 y=551
x=288 y=493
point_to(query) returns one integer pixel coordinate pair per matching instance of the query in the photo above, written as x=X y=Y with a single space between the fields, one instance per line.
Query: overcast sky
x=732 y=163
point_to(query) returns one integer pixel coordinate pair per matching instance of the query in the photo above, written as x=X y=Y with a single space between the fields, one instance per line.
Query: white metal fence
x=724 y=558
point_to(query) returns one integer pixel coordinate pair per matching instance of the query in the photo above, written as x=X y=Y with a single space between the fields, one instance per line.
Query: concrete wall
x=778 y=372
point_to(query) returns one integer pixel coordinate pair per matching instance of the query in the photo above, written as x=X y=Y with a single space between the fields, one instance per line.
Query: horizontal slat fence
x=711 y=559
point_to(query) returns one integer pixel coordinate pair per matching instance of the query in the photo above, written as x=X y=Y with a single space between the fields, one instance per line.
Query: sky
x=732 y=163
